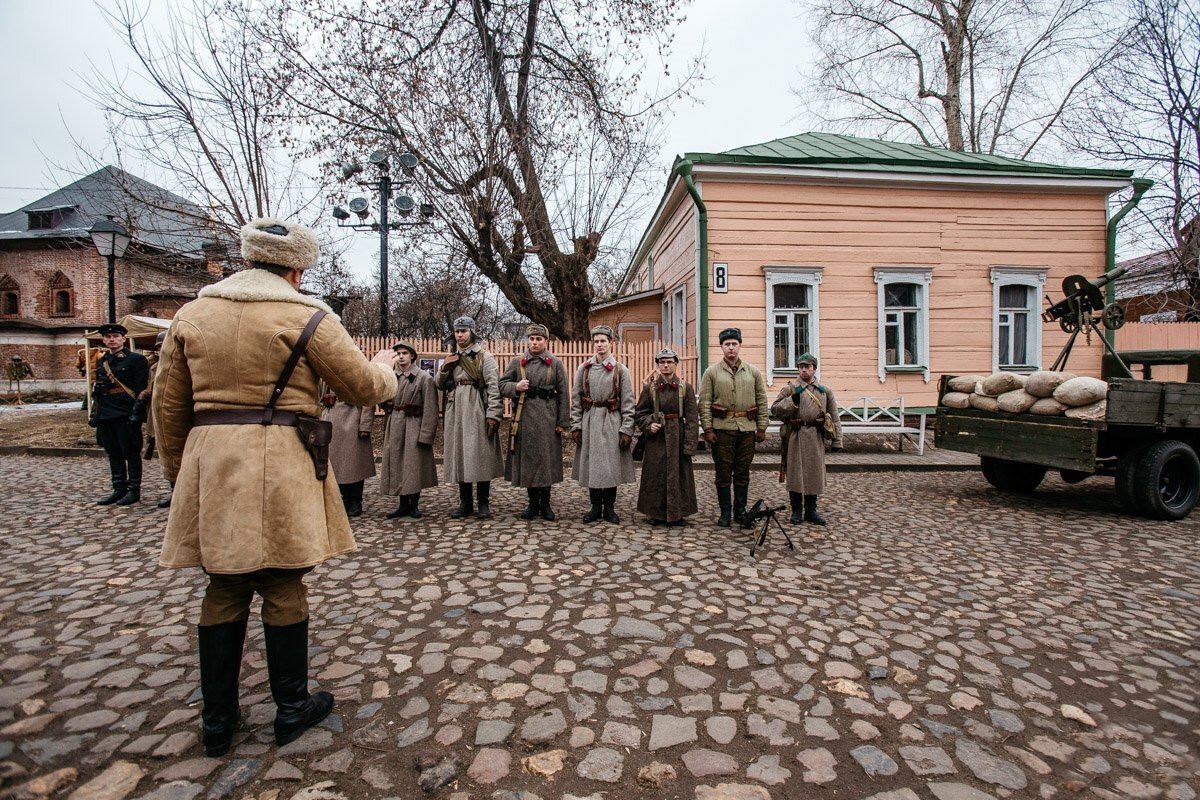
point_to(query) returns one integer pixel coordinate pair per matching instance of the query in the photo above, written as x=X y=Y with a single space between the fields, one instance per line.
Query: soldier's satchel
x=828 y=426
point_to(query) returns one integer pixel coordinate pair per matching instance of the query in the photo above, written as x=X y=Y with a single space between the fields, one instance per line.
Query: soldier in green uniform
x=121 y=375
x=802 y=408
x=734 y=415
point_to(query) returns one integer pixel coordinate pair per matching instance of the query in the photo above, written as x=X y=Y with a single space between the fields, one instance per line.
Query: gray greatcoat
x=471 y=456
x=668 y=485
x=600 y=461
x=350 y=457
x=536 y=459
x=806 y=445
x=408 y=465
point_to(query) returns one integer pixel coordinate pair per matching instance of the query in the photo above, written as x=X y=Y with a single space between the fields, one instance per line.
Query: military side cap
x=729 y=333
x=112 y=327
x=284 y=244
x=666 y=353
x=807 y=358
x=398 y=346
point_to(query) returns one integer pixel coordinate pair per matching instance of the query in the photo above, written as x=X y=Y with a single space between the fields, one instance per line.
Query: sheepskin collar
x=259 y=285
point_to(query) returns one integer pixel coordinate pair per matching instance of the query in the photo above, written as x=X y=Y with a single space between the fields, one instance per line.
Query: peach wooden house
x=893 y=263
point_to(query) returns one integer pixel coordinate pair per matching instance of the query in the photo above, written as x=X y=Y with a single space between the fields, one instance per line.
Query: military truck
x=1148 y=441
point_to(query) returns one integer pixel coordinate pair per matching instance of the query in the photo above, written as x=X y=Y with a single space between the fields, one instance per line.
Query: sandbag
x=1048 y=407
x=1081 y=391
x=998 y=383
x=1043 y=382
x=964 y=383
x=984 y=403
x=1018 y=401
x=1094 y=410
x=956 y=400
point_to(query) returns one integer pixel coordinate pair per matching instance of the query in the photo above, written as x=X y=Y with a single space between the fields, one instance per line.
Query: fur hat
x=535 y=329
x=603 y=330
x=665 y=354
x=284 y=244
x=729 y=333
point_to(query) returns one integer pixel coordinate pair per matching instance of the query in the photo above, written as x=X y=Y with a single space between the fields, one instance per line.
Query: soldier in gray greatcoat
x=471 y=381
x=351 y=458
x=408 y=465
x=537 y=380
x=602 y=426
x=801 y=408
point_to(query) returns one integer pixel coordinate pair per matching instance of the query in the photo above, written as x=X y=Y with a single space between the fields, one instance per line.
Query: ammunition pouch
x=720 y=412
x=542 y=392
x=612 y=404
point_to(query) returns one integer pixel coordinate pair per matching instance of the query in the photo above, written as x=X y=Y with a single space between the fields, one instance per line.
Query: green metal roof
x=834 y=151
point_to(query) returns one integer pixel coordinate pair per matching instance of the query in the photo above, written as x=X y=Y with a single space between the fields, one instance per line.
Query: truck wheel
x=1167 y=480
x=1127 y=478
x=1011 y=476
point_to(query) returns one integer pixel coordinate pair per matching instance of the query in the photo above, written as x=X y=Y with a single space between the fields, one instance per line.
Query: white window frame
x=1035 y=278
x=923 y=277
x=679 y=315
x=773 y=275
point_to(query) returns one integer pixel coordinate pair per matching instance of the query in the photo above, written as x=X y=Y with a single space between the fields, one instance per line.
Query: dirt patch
x=62 y=427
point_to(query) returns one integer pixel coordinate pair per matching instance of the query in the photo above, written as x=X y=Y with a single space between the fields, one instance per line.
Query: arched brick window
x=62 y=296
x=10 y=297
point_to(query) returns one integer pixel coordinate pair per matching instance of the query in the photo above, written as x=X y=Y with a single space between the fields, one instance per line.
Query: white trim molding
x=1035 y=278
x=919 y=275
x=624 y=326
x=775 y=274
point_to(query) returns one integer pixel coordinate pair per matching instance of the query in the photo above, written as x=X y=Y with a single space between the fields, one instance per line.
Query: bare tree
x=985 y=77
x=1144 y=113
x=202 y=106
x=530 y=119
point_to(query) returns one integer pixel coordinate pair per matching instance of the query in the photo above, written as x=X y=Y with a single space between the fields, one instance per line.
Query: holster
x=316 y=434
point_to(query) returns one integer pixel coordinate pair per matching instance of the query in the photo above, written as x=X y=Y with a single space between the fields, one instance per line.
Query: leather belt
x=118 y=390
x=799 y=423
x=412 y=410
x=466 y=382
x=670 y=416
x=611 y=404
x=244 y=416
x=724 y=413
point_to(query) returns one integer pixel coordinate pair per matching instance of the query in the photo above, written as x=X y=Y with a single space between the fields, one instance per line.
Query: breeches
x=732 y=456
x=120 y=440
x=228 y=597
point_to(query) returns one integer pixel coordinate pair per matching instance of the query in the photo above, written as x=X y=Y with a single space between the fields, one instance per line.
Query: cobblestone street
x=937 y=640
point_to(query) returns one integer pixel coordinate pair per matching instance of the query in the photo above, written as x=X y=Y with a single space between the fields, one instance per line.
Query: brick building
x=54 y=285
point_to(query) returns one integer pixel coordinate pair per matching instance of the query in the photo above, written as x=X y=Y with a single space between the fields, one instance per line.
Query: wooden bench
x=878 y=415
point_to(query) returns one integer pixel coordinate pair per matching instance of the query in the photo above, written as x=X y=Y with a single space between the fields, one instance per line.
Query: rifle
x=516 y=423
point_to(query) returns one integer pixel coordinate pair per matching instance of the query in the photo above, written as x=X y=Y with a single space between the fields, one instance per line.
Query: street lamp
x=111 y=239
x=360 y=207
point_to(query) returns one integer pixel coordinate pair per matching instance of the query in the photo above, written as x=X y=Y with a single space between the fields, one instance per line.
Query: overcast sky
x=754 y=47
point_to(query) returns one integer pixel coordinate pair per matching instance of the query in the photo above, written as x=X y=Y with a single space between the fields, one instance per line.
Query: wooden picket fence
x=637 y=356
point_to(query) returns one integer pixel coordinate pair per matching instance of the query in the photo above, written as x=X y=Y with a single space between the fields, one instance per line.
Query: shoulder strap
x=297 y=351
x=108 y=371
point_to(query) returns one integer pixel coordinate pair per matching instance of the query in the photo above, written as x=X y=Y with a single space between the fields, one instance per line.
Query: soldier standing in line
x=408 y=465
x=121 y=375
x=801 y=409
x=350 y=454
x=471 y=381
x=602 y=427
x=734 y=415
x=666 y=414
x=537 y=381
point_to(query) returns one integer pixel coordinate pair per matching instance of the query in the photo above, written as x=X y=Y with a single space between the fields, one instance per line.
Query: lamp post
x=361 y=208
x=111 y=239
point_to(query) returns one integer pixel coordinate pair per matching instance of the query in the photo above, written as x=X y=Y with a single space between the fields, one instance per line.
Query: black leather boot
x=133 y=487
x=544 y=506
x=354 y=495
x=483 y=508
x=797 y=508
x=739 y=503
x=595 y=512
x=287 y=669
x=810 y=510
x=610 y=500
x=534 y=501
x=413 y=511
x=726 y=506
x=166 y=501
x=402 y=510
x=220 y=668
x=466 y=503
x=119 y=481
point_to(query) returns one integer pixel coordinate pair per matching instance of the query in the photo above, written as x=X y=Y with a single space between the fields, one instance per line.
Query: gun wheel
x=1068 y=325
x=1114 y=316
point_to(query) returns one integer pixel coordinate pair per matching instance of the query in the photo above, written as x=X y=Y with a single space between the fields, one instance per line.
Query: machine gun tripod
x=761 y=510
x=1082 y=309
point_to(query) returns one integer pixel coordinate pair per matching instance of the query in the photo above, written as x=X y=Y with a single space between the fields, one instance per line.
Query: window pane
x=900 y=295
x=910 y=337
x=781 y=349
x=1004 y=340
x=801 y=334
x=891 y=336
x=1014 y=296
x=791 y=295
x=1020 y=327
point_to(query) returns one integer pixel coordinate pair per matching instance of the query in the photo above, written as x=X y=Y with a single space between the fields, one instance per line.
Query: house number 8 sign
x=720 y=278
